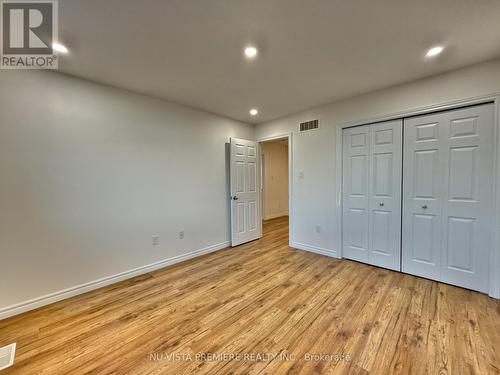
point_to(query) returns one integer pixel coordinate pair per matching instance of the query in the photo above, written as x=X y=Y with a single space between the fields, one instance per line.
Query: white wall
x=314 y=200
x=88 y=173
x=275 y=178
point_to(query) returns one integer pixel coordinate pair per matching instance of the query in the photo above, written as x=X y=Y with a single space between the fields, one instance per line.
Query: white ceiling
x=310 y=52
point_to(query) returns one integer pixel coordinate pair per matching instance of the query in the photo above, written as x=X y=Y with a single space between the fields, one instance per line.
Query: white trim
x=35 y=303
x=262 y=184
x=315 y=249
x=289 y=136
x=338 y=186
x=494 y=289
x=275 y=137
x=495 y=249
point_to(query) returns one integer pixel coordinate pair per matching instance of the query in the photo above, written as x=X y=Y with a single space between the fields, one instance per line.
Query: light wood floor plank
x=262 y=299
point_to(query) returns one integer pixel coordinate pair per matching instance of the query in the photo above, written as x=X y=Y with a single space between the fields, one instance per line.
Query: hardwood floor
x=267 y=308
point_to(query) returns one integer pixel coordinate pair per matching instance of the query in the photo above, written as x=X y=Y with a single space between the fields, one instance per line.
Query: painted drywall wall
x=314 y=199
x=89 y=173
x=275 y=178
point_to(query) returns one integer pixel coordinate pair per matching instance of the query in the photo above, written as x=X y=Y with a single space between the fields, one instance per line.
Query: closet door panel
x=355 y=193
x=385 y=194
x=422 y=186
x=448 y=182
x=372 y=162
x=468 y=175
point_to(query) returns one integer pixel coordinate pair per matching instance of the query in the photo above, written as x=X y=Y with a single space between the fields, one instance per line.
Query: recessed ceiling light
x=254 y=112
x=251 y=52
x=434 y=51
x=59 y=48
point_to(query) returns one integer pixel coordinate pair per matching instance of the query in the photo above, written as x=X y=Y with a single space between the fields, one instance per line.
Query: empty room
x=250 y=187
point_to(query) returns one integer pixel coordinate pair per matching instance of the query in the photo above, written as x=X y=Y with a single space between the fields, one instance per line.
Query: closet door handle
x=424 y=207
x=381 y=204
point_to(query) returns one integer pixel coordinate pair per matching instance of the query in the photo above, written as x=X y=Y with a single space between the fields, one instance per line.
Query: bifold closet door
x=448 y=187
x=372 y=162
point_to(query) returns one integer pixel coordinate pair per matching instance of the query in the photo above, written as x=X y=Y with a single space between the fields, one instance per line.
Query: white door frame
x=288 y=136
x=494 y=287
x=262 y=183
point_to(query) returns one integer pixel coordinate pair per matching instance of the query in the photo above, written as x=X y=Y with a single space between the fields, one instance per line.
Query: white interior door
x=448 y=182
x=246 y=221
x=372 y=163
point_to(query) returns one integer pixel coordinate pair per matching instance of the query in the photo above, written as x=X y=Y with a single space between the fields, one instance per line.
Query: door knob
x=381 y=204
x=235 y=198
x=424 y=206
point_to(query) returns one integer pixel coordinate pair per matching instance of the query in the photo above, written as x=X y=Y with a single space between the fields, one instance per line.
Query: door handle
x=235 y=198
x=381 y=204
x=424 y=207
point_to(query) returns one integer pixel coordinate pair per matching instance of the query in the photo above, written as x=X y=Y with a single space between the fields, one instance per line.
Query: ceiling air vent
x=308 y=125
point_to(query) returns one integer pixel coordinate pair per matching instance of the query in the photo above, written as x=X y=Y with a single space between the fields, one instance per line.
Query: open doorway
x=275 y=184
x=260 y=179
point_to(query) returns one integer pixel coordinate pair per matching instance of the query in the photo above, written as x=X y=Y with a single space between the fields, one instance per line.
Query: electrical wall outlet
x=181 y=235
x=156 y=240
x=7 y=355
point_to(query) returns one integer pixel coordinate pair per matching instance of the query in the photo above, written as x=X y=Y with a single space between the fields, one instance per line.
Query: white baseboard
x=274 y=216
x=35 y=303
x=315 y=249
